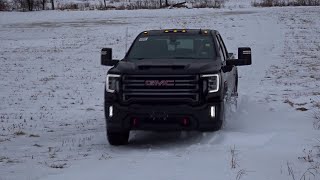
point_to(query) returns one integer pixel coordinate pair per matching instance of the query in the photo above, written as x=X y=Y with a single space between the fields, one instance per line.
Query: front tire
x=118 y=138
x=221 y=121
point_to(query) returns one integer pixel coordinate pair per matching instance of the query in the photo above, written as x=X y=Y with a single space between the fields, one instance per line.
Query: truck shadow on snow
x=168 y=139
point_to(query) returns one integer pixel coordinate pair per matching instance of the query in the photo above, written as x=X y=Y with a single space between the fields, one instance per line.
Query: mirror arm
x=228 y=60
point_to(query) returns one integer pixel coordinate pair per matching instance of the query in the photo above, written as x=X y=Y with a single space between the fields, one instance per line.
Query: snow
x=51 y=85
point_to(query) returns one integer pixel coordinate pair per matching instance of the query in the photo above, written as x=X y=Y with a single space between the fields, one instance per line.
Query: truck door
x=229 y=79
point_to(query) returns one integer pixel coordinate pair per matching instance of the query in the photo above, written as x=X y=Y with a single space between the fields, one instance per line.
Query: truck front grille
x=173 y=88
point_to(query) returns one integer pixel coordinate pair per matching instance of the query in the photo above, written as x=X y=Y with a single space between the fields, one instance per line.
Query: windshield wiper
x=175 y=57
x=139 y=58
x=181 y=57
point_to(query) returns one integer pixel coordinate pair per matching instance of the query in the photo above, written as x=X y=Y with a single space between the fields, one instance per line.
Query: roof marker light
x=145 y=32
x=166 y=31
x=175 y=31
x=206 y=32
x=184 y=31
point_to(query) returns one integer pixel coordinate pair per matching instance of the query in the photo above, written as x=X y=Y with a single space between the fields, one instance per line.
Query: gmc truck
x=170 y=80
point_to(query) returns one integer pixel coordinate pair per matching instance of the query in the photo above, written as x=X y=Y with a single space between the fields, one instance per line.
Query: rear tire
x=233 y=100
x=118 y=138
x=235 y=94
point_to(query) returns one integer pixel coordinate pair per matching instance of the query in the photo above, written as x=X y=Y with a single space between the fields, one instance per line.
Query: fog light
x=110 y=111
x=213 y=111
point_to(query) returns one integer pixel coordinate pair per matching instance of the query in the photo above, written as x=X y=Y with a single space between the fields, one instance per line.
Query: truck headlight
x=213 y=82
x=112 y=82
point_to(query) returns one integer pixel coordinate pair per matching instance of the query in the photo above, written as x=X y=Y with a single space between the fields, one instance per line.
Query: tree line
x=36 y=5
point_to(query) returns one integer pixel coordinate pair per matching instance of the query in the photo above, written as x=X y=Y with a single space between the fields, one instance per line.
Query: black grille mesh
x=160 y=88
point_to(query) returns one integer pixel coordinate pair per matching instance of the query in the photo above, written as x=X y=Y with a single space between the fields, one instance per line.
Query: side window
x=221 y=48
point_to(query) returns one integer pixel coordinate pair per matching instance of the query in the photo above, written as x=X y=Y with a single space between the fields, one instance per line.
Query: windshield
x=173 y=47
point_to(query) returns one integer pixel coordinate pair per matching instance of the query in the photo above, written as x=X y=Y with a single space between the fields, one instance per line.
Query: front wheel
x=118 y=138
x=222 y=112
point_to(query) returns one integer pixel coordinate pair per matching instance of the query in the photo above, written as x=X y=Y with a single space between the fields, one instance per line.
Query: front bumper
x=163 y=117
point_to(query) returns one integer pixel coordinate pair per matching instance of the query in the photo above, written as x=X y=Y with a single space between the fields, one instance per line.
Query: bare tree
x=44 y=4
x=30 y=5
x=3 y=5
x=52 y=4
x=165 y=5
x=105 y=4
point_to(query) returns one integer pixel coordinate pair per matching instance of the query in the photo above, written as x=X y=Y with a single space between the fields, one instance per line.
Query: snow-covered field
x=51 y=98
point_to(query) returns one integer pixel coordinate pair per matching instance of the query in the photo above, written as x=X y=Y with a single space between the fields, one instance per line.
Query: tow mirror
x=244 y=54
x=244 y=57
x=106 y=57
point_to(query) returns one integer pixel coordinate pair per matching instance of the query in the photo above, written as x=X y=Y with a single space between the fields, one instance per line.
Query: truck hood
x=167 y=66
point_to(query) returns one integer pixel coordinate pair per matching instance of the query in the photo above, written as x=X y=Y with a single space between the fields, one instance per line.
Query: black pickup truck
x=170 y=80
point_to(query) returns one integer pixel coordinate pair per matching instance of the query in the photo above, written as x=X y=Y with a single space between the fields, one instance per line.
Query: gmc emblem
x=159 y=83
